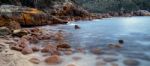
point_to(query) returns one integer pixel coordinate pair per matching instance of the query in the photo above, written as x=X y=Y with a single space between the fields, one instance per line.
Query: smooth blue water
x=134 y=30
x=99 y=33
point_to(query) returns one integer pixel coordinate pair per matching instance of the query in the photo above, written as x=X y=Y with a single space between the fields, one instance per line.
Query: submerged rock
x=96 y=51
x=115 y=45
x=131 y=62
x=110 y=59
x=54 y=59
x=76 y=27
x=48 y=48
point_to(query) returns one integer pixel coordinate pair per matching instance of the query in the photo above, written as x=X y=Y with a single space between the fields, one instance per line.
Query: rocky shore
x=20 y=16
x=23 y=46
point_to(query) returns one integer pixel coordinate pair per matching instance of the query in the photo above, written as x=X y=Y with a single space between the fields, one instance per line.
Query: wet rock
x=16 y=47
x=23 y=42
x=48 y=48
x=54 y=59
x=34 y=39
x=26 y=50
x=110 y=59
x=76 y=27
x=55 y=52
x=63 y=46
x=35 y=48
x=115 y=45
x=4 y=31
x=59 y=36
x=34 y=60
x=121 y=41
x=131 y=62
x=96 y=51
x=19 y=33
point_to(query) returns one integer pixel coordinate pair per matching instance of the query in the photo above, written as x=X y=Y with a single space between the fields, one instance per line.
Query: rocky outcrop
x=26 y=16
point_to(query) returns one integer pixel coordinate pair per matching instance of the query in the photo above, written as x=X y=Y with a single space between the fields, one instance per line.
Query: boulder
x=54 y=59
x=120 y=41
x=27 y=50
x=23 y=42
x=48 y=48
x=76 y=27
x=35 y=48
x=63 y=46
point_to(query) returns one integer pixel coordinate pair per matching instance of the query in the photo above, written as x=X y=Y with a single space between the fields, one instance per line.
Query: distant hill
x=114 y=5
x=91 y=5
